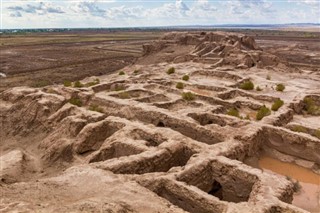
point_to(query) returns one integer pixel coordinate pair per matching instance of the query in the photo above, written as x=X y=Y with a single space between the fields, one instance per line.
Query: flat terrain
x=43 y=59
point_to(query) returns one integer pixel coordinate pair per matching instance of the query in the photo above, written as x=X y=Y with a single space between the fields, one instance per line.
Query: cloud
x=88 y=7
x=39 y=9
x=15 y=14
x=311 y=2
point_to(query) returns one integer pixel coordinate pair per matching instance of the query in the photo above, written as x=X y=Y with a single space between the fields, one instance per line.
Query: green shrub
x=75 y=101
x=92 y=83
x=124 y=95
x=95 y=108
x=40 y=83
x=247 y=85
x=119 y=88
x=67 y=83
x=311 y=107
x=233 y=112
x=78 y=84
x=121 y=73
x=185 y=78
x=171 y=70
x=280 y=87
x=136 y=72
x=317 y=133
x=258 y=88
x=179 y=85
x=189 y=96
x=263 y=112
x=268 y=77
x=296 y=186
x=277 y=104
x=298 y=128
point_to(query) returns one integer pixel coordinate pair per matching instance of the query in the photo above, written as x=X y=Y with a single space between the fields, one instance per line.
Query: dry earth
x=134 y=142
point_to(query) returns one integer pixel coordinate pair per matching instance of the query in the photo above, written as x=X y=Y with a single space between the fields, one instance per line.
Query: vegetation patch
x=96 y=108
x=280 y=87
x=311 y=107
x=179 y=85
x=41 y=83
x=124 y=95
x=121 y=73
x=299 y=128
x=268 y=77
x=247 y=85
x=277 y=104
x=263 y=112
x=67 y=83
x=75 y=101
x=171 y=70
x=92 y=83
x=185 y=78
x=119 y=87
x=136 y=72
x=317 y=133
x=78 y=84
x=233 y=112
x=189 y=96
x=258 y=89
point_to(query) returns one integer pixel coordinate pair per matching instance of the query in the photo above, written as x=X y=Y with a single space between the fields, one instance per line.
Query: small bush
x=136 y=72
x=124 y=95
x=75 y=101
x=263 y=112
x=95 y=108
x=185 y=78
x=119 y=88
x=300 y=129
x=296 y=186
x=268 y=77
x=67 y=83
x=247 y=85
x=121 y=73
x=317 y=133
x=280 y=87
x=171 y=70
x=258 y=88
x=233 y=112
x=311 y=107
x=277 y=104
x=41 y=83
x=78 y=84
x=179 y=85
x=92 y=83
x=189 y=96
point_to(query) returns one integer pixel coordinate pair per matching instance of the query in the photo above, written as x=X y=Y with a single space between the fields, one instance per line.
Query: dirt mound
x=217 y=48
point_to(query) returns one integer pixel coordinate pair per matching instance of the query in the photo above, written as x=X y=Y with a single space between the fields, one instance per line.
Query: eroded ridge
x=150 y=135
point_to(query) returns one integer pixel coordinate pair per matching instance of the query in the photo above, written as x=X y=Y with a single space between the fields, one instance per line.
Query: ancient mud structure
x=136 y=143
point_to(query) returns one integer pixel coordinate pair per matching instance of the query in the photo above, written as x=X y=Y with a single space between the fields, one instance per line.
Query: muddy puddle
x=308 y=197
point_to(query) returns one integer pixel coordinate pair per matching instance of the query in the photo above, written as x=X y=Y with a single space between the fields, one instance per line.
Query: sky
x=142 y=13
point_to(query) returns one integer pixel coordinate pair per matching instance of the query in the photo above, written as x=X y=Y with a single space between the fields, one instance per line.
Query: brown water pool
x=308 y=197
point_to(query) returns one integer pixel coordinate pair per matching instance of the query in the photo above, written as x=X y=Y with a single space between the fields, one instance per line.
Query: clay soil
x=40 y=59
x=138 y=143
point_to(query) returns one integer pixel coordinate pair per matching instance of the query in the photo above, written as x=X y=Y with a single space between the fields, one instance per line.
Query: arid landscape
x=160 y=121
